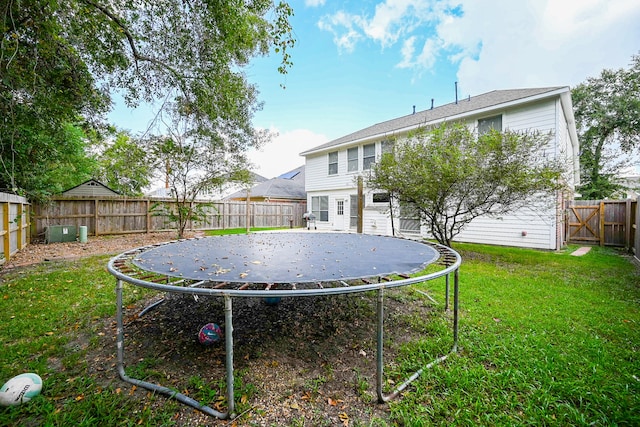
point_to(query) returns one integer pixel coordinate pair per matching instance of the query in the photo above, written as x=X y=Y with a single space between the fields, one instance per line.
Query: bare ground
x=304 y=361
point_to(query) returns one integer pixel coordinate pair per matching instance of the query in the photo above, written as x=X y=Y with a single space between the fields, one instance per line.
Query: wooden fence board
x=116 y=215
x=14 y=225
x=603 y=222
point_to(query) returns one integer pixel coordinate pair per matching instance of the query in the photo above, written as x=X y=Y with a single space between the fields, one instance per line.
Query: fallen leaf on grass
x=294 y=405
x=344 y=418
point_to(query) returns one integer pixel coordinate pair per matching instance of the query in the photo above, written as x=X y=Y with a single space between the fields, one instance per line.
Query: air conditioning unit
x=60 y=233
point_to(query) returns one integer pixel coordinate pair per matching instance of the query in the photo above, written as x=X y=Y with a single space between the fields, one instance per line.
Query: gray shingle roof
x=464 y=107
x=280 y=188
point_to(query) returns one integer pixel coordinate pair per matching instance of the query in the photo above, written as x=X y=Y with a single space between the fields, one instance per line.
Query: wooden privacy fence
x=602 y=222
x=14 y=224
x=116 y=215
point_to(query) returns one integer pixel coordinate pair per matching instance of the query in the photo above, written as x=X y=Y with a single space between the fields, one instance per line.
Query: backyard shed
x=90 y=188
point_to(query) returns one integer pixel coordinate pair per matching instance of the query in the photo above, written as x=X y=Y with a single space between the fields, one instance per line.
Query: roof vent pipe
x=456 y=92
x=414 y=109
x=432 y=103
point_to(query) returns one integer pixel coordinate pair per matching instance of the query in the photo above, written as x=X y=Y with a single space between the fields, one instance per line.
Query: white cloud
x=555 y=42
x=314 y=3
x=393 y=21
x=345 y=28
x=424 y=60
x=282 y=154
x=551 y=43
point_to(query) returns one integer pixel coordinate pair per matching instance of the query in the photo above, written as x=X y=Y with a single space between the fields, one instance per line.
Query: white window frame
x=320 y=207
x=334 y=170
x=368 y=158
x=487 y=123
x=352 y=163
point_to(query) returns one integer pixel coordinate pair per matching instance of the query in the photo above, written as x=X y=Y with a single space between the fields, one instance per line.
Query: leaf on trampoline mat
x=243 y=275
x=256 y=262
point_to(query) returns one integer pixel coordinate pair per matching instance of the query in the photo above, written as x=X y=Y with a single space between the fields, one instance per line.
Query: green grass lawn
x=545 y=339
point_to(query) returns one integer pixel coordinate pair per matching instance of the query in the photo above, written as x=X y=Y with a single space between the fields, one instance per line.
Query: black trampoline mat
x=288 y=257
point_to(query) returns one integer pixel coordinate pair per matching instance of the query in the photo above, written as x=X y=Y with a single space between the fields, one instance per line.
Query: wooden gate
x=602 y=222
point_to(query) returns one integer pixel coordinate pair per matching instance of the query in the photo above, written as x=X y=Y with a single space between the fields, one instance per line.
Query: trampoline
x=281 y=265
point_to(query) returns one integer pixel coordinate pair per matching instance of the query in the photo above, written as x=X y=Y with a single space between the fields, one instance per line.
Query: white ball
x=19 y=389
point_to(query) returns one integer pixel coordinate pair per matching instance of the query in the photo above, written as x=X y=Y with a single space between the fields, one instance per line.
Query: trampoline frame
x=118 y=267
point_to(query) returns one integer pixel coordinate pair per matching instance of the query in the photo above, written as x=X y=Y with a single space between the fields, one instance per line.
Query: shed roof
x=91 y=187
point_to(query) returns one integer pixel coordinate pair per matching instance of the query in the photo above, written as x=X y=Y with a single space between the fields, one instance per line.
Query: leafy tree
x=449 y=175
x=45 y=87
x=193 y=164
x=61 y=60
x=124 y=166
x=49 y=163
x=607 y=112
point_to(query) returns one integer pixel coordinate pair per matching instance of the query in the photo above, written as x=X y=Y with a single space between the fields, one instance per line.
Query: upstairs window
x=386 y=147
x=368 y=156
x=352 y=159
x=485 y=125
x=333 y=163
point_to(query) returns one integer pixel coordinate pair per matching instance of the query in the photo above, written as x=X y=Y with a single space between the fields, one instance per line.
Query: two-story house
x=333 y=168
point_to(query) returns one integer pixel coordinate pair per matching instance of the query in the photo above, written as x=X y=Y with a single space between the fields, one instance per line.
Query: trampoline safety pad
x=287 y=257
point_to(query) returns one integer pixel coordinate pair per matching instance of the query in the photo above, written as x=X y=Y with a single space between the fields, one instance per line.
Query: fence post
x=627 y=227
x=7 y=232
x=95 y=217
x=19 y=222
x=602 y=216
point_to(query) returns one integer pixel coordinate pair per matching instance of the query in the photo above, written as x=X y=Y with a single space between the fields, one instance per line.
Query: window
x=320 y=207
x=353 y=211
x=485 y=125
x=340 y=205
x=381 y=198
x=352 y=159
x=333 y=163
x=368 y=156
x=386 y=147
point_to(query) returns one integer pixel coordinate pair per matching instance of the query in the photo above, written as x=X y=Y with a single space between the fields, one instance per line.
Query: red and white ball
x=20 y=389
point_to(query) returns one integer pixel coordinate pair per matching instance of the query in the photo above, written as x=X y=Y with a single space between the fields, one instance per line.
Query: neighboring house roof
x=289 y=185
x=91 y=187
x=215 y=194
x=475 y=105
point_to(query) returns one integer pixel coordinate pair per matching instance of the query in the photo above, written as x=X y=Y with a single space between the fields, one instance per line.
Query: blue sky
x=357 y=63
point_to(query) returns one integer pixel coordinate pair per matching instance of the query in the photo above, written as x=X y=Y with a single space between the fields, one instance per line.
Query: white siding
x=539 y=116
x=317 y=173
x=526 y=228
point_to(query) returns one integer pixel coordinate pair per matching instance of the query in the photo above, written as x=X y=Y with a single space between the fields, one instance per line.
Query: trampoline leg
x=380 y=368
x=380 y=346
x=446 y=293
x=228 y=337
x=455 y=310
x=144 y=384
